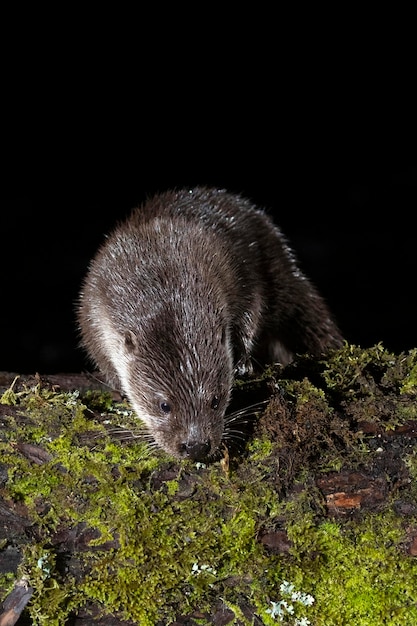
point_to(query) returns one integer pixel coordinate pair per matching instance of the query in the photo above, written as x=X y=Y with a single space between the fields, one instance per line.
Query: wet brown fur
x=196 y=285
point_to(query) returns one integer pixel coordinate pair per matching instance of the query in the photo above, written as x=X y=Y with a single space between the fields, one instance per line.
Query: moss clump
x=365 y=379
x=355 y=571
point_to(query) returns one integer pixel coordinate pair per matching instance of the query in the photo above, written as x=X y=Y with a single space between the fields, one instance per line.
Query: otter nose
x=196 y=450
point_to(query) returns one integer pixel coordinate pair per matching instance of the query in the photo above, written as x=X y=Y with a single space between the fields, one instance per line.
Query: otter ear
x=131 y=341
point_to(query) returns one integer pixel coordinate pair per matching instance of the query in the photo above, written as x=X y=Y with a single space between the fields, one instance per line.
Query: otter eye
x=165 y=407
x=215 y=403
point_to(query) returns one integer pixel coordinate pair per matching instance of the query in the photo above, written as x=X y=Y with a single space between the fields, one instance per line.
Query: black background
x=324 y=141
x=349 y=216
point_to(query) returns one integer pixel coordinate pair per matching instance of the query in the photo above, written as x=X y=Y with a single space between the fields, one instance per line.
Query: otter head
x=177 y=373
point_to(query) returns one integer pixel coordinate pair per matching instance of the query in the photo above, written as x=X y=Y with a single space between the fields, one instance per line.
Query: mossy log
x=309 y=517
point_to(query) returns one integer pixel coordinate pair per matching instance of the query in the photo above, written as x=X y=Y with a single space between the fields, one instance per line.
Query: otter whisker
x=248 y=410
x=235 y=434
x=116 y=431
x=101 y=381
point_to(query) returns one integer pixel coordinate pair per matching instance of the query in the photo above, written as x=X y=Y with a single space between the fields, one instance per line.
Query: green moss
x=189 y=535
x=9 y=396
x=7 y=581
x=182 y=553
x=369 y=376
x=357 y=573
x=97 y=400
x=170 y=550
x=259 y=449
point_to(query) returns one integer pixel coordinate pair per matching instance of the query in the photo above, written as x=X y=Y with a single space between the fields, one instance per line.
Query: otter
x=192 y=288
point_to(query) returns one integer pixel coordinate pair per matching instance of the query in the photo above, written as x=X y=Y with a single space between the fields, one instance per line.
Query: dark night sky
x=351 y=225
x=312 y=117
x=343 y=190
